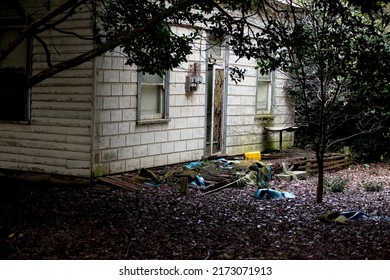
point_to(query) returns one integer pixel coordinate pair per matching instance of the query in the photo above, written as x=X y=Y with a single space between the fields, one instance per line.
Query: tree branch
x=112 y=44
x=33 y=26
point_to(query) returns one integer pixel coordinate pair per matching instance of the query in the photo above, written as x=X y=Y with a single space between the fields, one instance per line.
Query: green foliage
x=159 y=48
x=336 y=184
x=339 y=75
x=371 y=148
x=372 y=186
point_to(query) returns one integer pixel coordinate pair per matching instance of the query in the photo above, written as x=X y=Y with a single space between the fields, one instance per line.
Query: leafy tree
x=141 y=28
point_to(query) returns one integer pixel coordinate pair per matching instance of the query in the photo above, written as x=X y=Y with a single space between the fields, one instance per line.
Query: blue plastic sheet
x=198 y=182
x=274 y=194
x=194 y=164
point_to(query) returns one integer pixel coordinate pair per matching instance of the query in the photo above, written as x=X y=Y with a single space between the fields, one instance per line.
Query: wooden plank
x=118 y=183
x=331 y=161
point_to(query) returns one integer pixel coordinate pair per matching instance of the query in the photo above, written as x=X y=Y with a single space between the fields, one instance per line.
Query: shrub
x=336 y=184
x=373 y=186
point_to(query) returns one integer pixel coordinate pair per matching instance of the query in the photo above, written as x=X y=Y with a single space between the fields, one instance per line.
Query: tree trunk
x=320 y=183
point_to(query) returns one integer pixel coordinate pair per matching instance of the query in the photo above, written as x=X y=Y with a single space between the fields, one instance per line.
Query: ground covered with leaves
x=105 y=222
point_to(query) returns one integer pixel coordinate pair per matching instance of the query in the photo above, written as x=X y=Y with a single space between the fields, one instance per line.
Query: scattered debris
x=290 y=175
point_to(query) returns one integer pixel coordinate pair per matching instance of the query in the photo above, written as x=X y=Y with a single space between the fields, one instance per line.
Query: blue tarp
x=270 y=193
x=194 y=164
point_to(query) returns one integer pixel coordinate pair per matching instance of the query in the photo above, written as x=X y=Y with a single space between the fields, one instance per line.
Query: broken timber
x=116 y=181
x=220 y=188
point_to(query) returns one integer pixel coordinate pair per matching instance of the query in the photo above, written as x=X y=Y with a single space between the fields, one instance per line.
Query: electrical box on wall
x=194 y=78
x=192 y=83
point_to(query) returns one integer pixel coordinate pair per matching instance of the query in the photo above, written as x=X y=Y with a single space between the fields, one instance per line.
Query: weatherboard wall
x=57 y=139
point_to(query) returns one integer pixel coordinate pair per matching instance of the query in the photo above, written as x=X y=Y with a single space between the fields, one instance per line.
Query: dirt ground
x=106 y=222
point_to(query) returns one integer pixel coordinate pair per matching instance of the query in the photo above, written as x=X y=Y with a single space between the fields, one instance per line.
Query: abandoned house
x=103 y=117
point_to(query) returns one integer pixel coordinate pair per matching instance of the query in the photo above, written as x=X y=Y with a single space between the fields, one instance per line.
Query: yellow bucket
x=252 y=155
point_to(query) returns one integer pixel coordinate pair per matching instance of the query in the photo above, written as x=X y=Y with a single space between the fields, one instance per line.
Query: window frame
x=163 y=100
x=270 y=79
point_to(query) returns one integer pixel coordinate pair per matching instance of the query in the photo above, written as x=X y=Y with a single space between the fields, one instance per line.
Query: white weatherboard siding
x=58 y=139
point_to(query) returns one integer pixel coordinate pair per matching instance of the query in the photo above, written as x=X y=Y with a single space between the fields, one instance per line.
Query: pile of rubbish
x=208 y=176
x=258 y=174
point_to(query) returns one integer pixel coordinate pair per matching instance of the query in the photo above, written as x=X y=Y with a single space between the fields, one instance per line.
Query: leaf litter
x=106 y=222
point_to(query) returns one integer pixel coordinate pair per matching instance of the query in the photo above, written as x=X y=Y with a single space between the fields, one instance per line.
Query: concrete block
x=124 y=128
x=118 y=141
x=133 y=139
x=147 y=138
x=167 y=147
x=117 y=167
x=116 y=115
x=110 y=103
x=174 y=135
x=117 y=63
x=110 y=129
x=284 y=177
x=125 y=153
x=109 y=155
x=116 y=89
x=147 y=162
x=154 y=149
x=140 y=151
x=161 y=160
x=161 y=136
x=301 y=175
x=111 y=76
x=124 y=76
x=103 y=90
x=124 y=102
x=180 y=146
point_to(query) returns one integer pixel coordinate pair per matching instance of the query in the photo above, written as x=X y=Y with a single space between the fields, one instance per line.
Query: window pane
x=152 y=97
x=262 y=95
x=215 y=46
x=264 y=77
x=16 y=59
x=151 y=79
x=150 y=100
x=12 y=79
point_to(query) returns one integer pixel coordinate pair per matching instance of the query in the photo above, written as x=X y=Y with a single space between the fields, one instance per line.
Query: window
x=152 y=97
x=264 y=92
x=216 y=49
x=13 y=70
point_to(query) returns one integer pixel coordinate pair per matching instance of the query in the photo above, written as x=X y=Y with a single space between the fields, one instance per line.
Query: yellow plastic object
x=252 y=155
